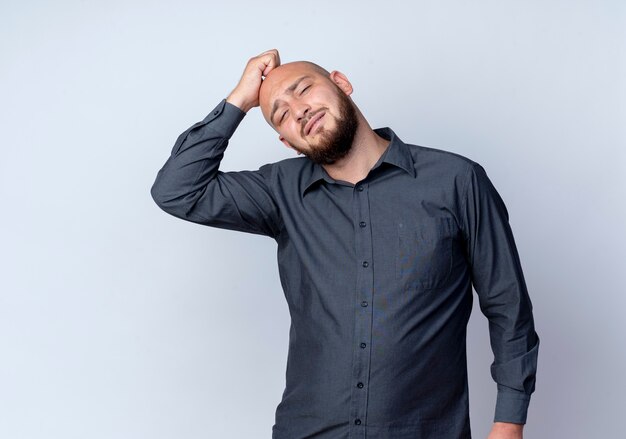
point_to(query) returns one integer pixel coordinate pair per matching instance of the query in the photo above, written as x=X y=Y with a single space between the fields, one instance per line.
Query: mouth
x=313 y=122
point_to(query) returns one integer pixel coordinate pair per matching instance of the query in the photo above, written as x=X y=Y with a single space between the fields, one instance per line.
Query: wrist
x=239 y=102
x=508 y=426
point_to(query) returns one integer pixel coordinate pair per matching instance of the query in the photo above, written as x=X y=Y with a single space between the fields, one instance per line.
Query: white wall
x=120 y=321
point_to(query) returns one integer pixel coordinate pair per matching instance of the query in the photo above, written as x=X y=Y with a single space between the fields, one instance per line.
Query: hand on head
x=246 y=94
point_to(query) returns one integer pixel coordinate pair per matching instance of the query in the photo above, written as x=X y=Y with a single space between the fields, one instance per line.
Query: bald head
x=282 y=78
x=312 y=66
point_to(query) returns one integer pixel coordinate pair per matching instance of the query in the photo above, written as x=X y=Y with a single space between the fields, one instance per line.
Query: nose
x=301 y=111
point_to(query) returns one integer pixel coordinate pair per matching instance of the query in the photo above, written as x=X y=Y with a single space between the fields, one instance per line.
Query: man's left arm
x=503 y=298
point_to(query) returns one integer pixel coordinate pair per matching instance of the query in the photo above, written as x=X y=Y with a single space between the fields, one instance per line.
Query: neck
x=367 y=147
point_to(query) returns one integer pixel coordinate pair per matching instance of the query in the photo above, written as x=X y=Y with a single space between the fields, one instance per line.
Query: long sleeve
x=190 y=185
x=499 y=282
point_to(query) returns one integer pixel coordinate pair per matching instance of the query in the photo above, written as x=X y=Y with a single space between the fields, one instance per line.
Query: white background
x=118 y=320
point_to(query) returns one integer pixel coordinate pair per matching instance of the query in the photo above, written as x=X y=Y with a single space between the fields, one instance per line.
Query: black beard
x=334 y=146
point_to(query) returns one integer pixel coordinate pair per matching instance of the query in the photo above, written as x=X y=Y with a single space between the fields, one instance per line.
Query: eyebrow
x=290 y=89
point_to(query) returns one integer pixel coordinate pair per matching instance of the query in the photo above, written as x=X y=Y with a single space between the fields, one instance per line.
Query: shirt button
x=359 y=188
x=364 y=303
x=362 y=345
x=365 y=263
x=362 y=224
x=360 y=385
x=357 y=421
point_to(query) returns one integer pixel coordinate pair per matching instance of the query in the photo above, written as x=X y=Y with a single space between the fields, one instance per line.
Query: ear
x=341 y=81
x=282 y=139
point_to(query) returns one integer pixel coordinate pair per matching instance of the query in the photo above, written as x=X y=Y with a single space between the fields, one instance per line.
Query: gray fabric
x=378 y=279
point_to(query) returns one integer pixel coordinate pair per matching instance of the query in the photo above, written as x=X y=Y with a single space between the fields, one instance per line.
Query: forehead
x=281 y=82
x=282 y=76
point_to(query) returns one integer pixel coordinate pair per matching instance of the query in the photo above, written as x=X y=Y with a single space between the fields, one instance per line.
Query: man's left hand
x=506 y=430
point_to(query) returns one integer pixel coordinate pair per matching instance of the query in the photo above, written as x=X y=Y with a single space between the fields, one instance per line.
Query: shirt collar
x=397 y=154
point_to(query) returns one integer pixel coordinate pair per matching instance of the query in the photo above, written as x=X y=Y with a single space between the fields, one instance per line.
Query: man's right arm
x=191 y=186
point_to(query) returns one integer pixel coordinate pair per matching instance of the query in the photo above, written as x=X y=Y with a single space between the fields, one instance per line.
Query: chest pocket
x=424 y=253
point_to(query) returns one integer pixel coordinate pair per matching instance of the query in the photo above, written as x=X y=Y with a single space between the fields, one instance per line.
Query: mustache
x=311 y=116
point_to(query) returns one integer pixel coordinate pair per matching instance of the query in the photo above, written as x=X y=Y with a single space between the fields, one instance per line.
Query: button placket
x=363 y=318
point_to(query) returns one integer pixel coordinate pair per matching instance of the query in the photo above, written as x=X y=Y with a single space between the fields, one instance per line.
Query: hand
x=506 y=430
x=246 y=94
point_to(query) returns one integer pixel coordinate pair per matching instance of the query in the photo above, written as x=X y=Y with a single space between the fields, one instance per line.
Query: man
x=379 y=244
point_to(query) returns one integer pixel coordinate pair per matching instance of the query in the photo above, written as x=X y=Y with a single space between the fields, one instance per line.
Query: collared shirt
x=378 y=278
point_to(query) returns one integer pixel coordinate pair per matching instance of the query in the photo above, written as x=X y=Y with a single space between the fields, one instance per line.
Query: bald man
x=380 y=244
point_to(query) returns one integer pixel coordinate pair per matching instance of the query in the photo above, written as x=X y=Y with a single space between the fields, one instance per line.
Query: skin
x=265 y=80
x=289 y=112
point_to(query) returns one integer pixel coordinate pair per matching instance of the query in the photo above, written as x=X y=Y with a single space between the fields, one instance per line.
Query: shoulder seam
x=273 y=176
x=470 y=168
x=443 y=151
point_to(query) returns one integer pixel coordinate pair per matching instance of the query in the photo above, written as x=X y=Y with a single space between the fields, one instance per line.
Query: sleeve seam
x=464 y=198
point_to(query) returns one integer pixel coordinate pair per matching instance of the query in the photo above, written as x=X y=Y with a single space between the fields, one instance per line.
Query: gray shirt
x=378 y=279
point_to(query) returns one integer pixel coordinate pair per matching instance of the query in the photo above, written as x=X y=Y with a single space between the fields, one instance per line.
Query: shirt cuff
x=225 y=118
x=511 y=406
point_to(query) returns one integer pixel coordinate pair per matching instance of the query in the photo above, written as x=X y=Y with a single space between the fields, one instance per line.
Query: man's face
x=309 y=111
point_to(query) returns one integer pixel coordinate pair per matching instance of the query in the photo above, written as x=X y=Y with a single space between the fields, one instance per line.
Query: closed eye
x=283 y=116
